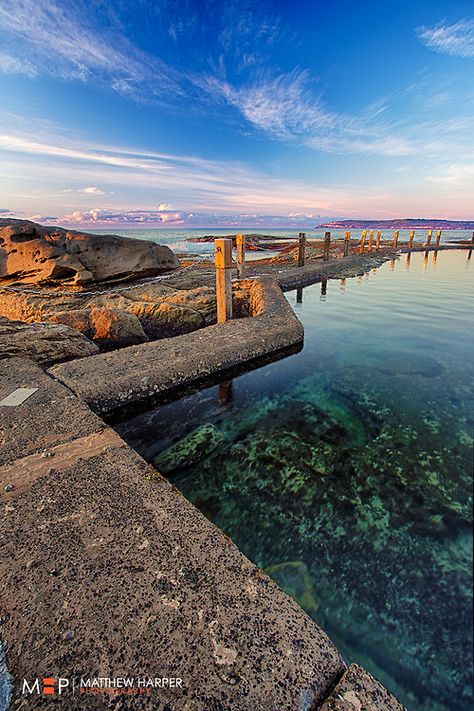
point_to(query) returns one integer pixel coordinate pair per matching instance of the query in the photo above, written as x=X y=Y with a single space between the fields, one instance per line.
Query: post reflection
x=408 y=261
x=224 y=395
x=324 y=287
x=299 y=295
x=425 y=260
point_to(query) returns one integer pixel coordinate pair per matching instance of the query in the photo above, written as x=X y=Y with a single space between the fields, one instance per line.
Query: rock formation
x=45 y=343
x=33 y=254
x=108 y=328
x=160 y=310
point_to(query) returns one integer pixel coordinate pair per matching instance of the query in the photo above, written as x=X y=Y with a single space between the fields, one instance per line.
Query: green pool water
x=345 y=471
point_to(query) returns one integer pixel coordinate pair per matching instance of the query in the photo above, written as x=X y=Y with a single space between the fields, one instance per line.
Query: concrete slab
x=51 y=415
x=106 y=570
x=359 y=691
x=110 y=381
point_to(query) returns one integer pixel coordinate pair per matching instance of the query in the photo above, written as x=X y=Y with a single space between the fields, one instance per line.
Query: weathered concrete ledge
x=350 y=266
x=112 y=381
x=106 y=570
x=357 y=690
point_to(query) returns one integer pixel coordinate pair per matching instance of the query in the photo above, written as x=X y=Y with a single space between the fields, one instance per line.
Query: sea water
x=345 y=471
x=177 y=239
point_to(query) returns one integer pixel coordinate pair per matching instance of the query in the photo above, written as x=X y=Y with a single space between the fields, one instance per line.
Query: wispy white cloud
x=456 y=39
x=121 y=217
x=43 y=218
x=199 y=184
x=156 y=218
x=81 y=51
x=14 y=65
x=460 y=175
x=91 y=191
x=286 y=107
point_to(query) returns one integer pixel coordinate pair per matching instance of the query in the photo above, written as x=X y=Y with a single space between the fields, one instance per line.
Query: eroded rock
x=161 y=310
x=33 y=254
x=45 y=343
x=109 y=328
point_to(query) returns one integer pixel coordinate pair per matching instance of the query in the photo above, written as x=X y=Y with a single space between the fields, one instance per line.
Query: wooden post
x=223 y=255
x=438 y=237
x=428 y=239
x=395 y=239
x=327 y=245
x=301 y=249
x=347 y=236
x=472 y=240
x=371 y=239
x=362 y=241
x=377 y=241
x=410 y=244
x=240 y=247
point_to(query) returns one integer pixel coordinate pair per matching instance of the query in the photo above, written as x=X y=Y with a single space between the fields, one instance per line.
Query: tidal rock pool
x=345 y=471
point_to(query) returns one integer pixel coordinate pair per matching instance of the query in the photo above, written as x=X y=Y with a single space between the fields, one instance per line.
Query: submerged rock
x=191 y=449
x=295 y=579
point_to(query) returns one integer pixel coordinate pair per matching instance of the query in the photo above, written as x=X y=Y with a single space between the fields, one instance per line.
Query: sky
x=174 y=113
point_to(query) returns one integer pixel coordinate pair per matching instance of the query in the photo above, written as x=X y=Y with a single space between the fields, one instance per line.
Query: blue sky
x=180 y=113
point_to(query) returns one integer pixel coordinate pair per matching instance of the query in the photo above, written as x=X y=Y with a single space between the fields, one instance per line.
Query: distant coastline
x=400 y=224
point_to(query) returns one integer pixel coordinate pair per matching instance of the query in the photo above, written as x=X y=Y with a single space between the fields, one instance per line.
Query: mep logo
x=47 y=686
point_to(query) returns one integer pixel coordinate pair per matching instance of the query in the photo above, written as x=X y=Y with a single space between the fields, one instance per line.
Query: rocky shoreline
x=90 y=528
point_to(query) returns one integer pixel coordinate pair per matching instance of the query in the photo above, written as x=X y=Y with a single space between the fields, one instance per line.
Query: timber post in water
x=327 y=245
x=301 y=249
x=362 y=241
x=223 y=254
x=428 y=239
x=347 y=236
x=438 y=237
x=240 y=245
x=395 y=239
x=371 y=239
x=377 y=241
x=410 y=244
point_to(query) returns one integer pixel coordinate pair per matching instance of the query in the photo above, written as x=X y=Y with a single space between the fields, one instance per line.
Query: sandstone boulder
x=45 y=343
x=109 y=328
x=161 y=310
x=33 y=254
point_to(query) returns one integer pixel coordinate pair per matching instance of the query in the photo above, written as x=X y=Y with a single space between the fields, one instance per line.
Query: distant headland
x=406 y=223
